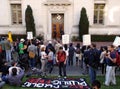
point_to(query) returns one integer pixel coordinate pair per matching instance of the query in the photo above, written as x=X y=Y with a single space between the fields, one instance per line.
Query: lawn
x=100 y=78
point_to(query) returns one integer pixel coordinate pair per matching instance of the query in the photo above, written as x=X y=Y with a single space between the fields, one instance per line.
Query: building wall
x=42 y=17
x=5 y=13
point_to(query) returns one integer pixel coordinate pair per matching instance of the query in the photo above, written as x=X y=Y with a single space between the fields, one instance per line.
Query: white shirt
x=43 y=55
x=18 y=69
x=50 y=56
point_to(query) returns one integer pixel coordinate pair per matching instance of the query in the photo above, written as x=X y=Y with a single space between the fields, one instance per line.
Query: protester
x=96 y=84
x=2 y=83
x=8 y=49
x=66 y=49
x=50 y=60
x=61 y=60
x=85 y=51
x=110 y=59
x=32 y=50
x=15 y=79
x=51 y=47
x=21 y=48
x=102 y=58
x=3 y=47
x=57 y=46
x=43 y=60
x=4 y=69
x=71 y=54
x=78 y=55
x=14 y=65
x=38 y=57
x=93 y=62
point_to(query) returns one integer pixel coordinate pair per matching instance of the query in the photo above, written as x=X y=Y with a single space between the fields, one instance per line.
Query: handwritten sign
x=116 y=41
x=87 y=39
x=29 y=35
x=65 y=39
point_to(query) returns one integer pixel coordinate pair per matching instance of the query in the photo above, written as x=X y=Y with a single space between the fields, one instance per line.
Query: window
x=99 y=13
x=16 y=14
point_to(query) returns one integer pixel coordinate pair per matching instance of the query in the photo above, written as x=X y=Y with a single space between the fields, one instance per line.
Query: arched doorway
x=57 y=25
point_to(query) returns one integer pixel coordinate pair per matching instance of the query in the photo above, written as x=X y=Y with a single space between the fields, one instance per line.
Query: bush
x=75 y=38
x=83 y=23
x=40 y=37
x=103 y=38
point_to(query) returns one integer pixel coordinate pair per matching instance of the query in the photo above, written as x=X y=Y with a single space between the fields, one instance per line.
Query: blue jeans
x=5 y=78
x=92 y=74
x=32 y=62
x=8 y=55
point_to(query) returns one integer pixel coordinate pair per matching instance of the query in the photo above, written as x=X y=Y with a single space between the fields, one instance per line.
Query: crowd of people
x=22 y=55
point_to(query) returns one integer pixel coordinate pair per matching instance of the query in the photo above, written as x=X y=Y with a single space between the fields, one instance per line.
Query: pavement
x=77 y=71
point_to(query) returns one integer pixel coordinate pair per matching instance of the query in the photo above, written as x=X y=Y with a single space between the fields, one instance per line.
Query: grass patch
x=100 y=78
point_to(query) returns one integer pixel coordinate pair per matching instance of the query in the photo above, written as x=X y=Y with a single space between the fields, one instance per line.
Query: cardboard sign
x=65 y=39
x=29 y=35
x=116 y=41
x=87 y=39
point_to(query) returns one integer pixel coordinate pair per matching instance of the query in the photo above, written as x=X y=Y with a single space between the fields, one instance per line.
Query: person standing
x=21 y=48
x=110 y=59
x=78 y=55
x=61 y=60
x=8 y=49
x=93 y=62
x=71 y=54
x=50 y=59
x=32 y=50
x=57 y=46
x=102 y=57
x=43 y=60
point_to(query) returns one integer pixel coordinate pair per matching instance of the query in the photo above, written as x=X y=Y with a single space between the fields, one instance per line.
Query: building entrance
x=57 y=25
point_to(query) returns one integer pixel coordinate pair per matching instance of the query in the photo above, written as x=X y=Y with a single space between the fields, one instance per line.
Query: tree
x=83 y=24
x=29 y=19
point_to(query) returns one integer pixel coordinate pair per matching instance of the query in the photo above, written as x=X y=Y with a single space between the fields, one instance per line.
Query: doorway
x=57 y=25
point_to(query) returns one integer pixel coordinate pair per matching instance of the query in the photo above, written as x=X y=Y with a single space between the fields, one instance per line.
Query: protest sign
x=87 y=39
x=29 y=35
x=65 y=39
x=116 y=41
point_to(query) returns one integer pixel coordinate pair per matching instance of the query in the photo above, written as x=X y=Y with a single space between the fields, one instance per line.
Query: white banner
x=116 y=41
x=65 y=39
x=87 y=39
x=29 y=35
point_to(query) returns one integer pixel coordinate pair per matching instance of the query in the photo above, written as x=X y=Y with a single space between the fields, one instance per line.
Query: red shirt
x=61 y=56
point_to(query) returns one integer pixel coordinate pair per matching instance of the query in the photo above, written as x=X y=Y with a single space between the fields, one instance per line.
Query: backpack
x=31 y=54
x=117 y=58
